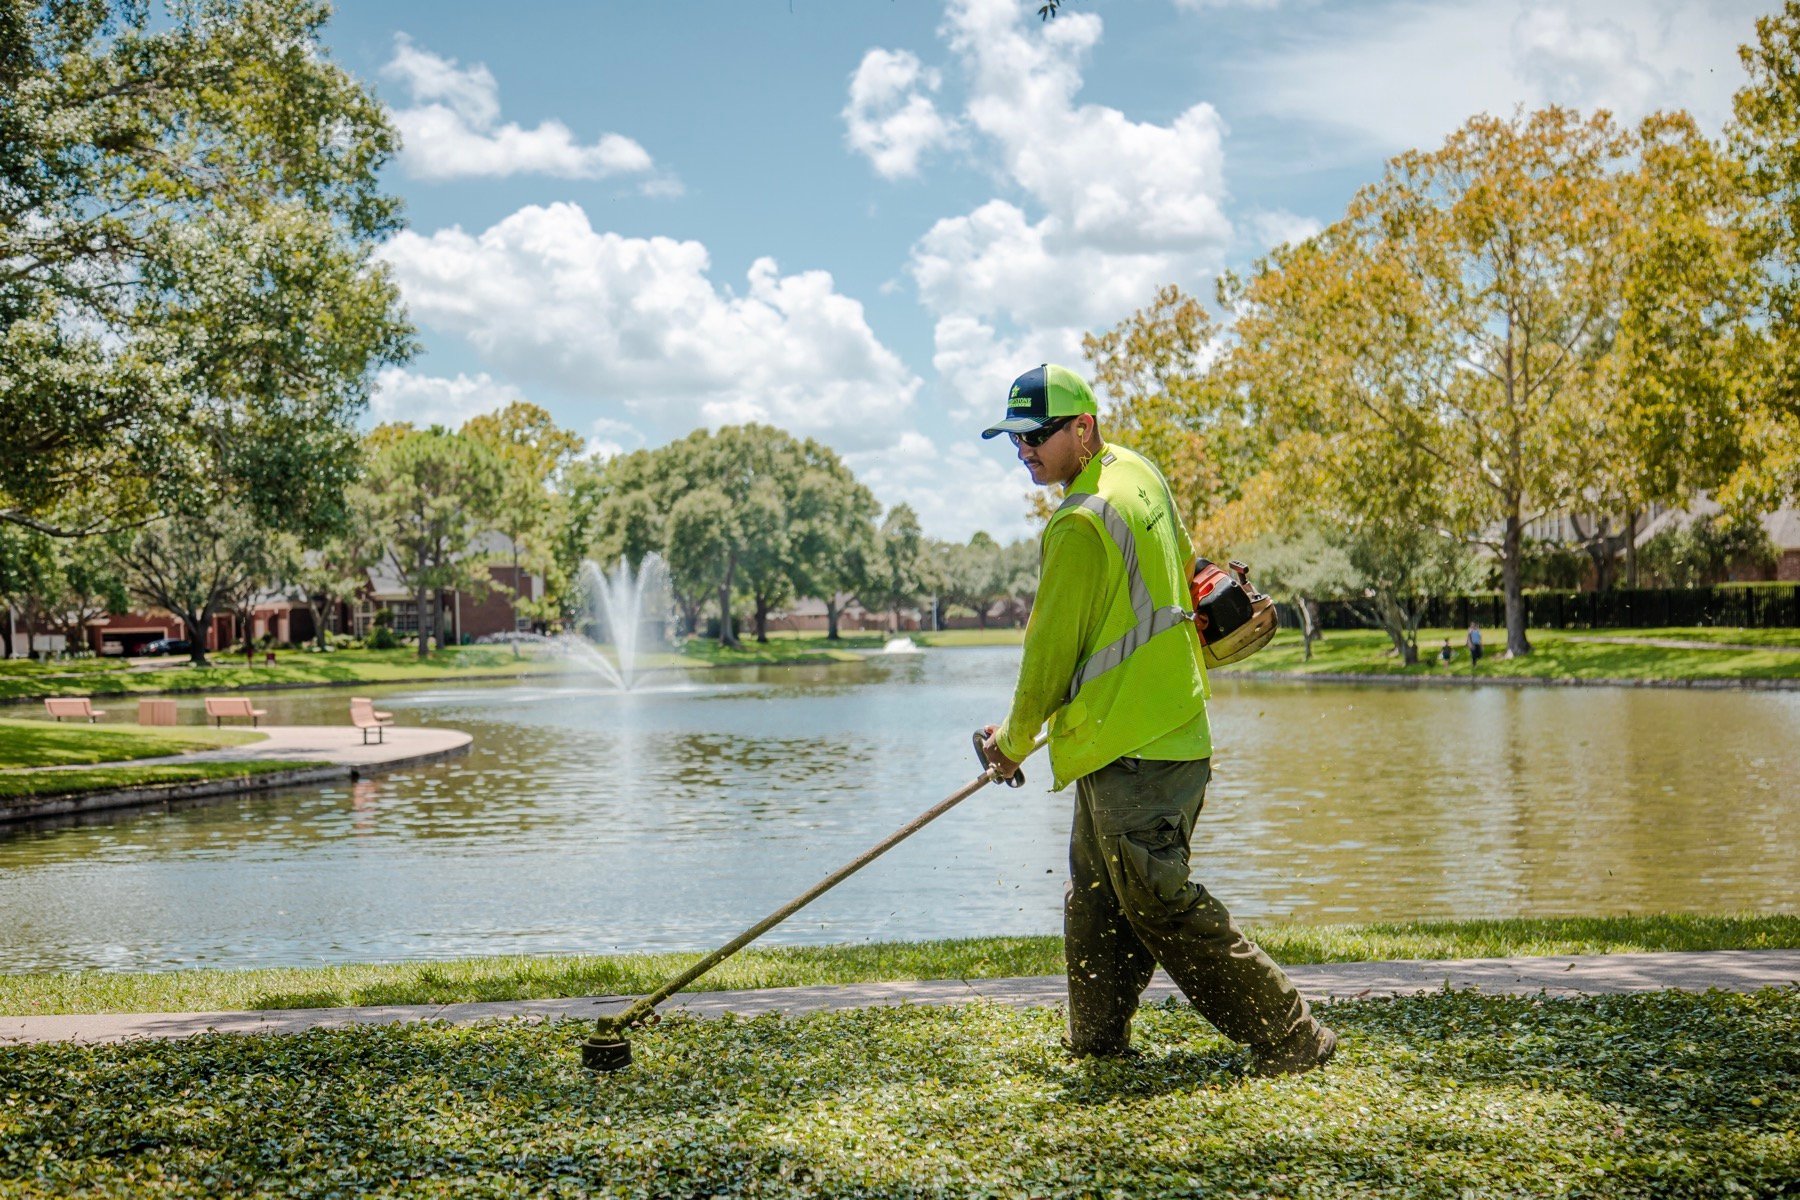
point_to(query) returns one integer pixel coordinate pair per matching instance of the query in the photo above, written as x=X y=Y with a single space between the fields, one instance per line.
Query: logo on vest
x=1156 y=514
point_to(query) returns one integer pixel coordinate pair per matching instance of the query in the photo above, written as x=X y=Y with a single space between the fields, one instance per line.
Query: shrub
x=382 y=637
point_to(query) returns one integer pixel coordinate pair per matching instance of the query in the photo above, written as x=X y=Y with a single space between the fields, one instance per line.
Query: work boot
x=1309 y=1046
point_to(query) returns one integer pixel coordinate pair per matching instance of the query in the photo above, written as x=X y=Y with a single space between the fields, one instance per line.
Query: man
x=1112 y=660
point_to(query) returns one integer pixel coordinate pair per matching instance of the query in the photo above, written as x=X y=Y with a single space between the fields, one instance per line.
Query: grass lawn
x=27 y=785
x=99 y=677
x=48 y=743
x=1556 y=655
x=1725 y=635
x=1443 y=1095
x=532 y=978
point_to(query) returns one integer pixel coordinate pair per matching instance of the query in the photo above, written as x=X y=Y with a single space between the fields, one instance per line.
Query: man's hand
x=1004 y=767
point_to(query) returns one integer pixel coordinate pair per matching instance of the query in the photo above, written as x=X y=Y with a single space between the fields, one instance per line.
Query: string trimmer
x=610 y=1050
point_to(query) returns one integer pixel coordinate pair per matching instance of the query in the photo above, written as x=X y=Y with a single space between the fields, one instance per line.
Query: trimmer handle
x=980 y=738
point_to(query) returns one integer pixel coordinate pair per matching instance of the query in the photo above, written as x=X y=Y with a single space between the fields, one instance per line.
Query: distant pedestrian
x=1446 y=654
x=1474 y=645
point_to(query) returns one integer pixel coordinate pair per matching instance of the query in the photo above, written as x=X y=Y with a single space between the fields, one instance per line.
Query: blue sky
x=859 y=219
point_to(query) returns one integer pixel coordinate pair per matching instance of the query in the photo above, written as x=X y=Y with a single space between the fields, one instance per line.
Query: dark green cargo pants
x=1130 y=905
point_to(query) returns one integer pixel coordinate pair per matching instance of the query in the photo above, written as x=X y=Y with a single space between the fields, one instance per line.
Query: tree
x=703 y=551
x=1168 y=401
x=1765 y=134
x=190 y=313
x=72 y=582
x=832 y=523
x=193 y=564
x=25 y=562
x=532 y=452
x=1448 y=341
x=1301 y=566
x=334 y=572
x=900 y=563
x=427 y=497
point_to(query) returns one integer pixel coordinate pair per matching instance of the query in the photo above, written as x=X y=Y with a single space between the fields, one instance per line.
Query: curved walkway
x=1558 y=976
x=338 y=750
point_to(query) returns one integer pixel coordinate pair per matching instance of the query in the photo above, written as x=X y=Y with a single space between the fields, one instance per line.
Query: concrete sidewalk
x=339 y=752
x=1559 y=976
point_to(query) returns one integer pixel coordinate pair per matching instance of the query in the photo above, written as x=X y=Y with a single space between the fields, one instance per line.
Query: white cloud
x=1278 y=227
x=423 y=400
x=453 y=131
x=1204 y=5
x=1405 y=74
x=543 y=296
x=990 y=492
x=889 y=118
x=1112 y=208
x=609 y=438
x=1583 y=64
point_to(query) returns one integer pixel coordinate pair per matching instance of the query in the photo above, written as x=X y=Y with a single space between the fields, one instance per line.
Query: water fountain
x=627 y=609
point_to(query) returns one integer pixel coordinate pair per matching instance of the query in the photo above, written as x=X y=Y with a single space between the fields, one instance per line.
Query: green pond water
x=586 y=820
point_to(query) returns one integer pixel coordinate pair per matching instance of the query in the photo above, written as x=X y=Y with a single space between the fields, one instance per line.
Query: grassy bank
x=523 y=978
x=49 y=744
x=293 y=668
x=37 y=785
x=1555 y=655
x=1445 y=1095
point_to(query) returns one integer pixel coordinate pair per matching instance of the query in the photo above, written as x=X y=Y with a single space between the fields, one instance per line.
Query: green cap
x=1041 y=395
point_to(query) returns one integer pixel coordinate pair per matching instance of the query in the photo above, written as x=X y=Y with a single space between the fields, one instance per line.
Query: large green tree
x=1766 y=135
x=428 y=496
x=1456 y=343
x=533 y=453
x=196 y=565
x=189 y=311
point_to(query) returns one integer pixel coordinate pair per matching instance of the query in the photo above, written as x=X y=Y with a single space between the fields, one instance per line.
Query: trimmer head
x=601 y=1054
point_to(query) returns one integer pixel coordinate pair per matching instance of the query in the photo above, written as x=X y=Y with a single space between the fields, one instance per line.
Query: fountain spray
x=609 y=1049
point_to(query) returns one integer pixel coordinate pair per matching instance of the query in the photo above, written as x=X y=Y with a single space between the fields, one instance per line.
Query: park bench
x=220 y=707
x=72 y=706
x=365 y=718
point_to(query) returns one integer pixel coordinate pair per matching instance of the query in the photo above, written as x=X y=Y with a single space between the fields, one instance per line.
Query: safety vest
x=1140 y=675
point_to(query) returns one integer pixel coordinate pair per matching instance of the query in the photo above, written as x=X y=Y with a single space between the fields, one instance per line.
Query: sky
x=859 y=220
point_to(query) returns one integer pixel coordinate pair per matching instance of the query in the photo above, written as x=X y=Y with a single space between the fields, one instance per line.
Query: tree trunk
x=1631 y=566
x=1510 y=552
x=762 y=619
x=424 y=614
x=726 y=636
x=1400 y=631
x=6 y=632
x=198 y=628
x=831 y=618
x=1309 y=627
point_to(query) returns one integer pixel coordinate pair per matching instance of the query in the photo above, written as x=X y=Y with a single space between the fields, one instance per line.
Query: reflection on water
x=671 y=817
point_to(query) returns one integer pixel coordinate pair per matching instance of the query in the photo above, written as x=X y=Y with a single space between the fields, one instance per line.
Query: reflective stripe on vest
x=1150 y=619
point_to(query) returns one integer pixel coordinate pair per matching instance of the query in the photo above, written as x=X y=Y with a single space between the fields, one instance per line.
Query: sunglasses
x=1041 y=434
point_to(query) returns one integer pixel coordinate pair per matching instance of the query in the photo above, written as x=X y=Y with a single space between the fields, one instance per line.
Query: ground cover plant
x=545 y=977
x=49 y=744
x=37 y=785
x=1556 y=654
x=1451 y=1094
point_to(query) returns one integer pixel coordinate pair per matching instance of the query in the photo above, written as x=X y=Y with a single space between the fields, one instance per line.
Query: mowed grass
x=533 y=978
x=1555 y=655
x=1443 y=1095
x=293 y=668
x=21 y=786
x=45 y=743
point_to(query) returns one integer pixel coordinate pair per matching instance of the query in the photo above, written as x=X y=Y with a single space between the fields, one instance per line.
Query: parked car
x=167 y=646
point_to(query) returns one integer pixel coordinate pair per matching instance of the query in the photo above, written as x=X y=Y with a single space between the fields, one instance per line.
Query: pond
x=591 y=821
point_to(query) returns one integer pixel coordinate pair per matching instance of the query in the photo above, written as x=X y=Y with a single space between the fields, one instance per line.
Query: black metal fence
x=1766 y=607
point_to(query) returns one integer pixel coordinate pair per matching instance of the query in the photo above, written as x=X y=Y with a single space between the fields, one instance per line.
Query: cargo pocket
x=1153 y=863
